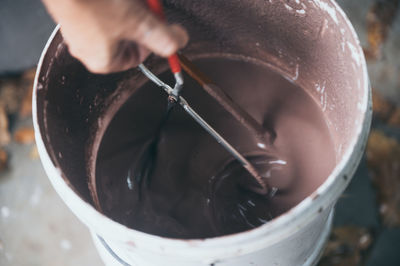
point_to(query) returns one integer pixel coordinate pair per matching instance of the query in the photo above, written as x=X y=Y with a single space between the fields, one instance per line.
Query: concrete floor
x=36 y=227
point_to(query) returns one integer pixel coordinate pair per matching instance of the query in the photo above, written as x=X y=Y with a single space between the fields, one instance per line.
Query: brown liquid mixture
x=196 y=188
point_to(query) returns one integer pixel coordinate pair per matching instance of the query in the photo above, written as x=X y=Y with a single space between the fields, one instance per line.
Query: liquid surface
x=195 y=189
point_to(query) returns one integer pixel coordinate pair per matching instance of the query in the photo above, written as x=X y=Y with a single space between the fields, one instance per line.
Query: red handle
x=157 y=9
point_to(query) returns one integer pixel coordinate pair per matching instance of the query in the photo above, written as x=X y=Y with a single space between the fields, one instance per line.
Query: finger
x=99 y=64
x=95 y=57
x=158 y=37
x=127 y=55
x=179 y=34
x=165 y=40
x=103 y=59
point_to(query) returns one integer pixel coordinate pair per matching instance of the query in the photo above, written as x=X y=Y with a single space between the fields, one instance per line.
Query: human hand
x=114 y=35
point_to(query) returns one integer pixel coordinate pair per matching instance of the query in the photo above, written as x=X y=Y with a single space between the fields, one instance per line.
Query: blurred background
x=36 y=228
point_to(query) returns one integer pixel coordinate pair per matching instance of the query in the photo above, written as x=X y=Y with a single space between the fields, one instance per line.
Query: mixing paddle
x=174 y=97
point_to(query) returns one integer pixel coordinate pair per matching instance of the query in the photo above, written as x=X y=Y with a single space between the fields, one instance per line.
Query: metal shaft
x=224 y=99
x=245 y=163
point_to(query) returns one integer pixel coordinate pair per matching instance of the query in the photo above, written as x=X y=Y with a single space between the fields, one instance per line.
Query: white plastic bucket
x=68 y=101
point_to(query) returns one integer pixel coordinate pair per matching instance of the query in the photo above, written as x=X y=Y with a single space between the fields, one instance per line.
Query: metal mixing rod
x=174 y=97
x=173 y=60
x=174 y=94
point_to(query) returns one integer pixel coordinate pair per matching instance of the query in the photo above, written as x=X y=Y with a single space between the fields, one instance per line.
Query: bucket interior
x=309 y=42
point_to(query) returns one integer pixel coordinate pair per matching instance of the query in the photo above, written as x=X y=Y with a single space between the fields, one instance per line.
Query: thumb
x=158 y=37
